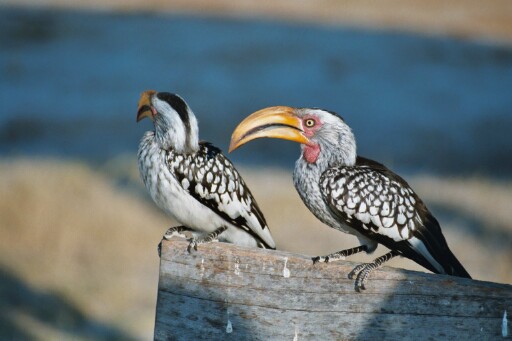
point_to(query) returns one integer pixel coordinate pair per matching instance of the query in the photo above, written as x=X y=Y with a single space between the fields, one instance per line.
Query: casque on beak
x=144 y=108
x=276 y=122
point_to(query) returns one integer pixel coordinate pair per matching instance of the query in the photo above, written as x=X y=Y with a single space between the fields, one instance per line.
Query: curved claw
x=360 y=283
x=356 y=270
x=192 y=245
x=362 y=277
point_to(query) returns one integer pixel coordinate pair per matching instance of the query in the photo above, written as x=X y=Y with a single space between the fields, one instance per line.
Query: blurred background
x=425 y=85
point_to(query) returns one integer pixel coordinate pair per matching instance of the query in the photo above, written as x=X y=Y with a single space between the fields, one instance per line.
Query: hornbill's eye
x=309 y=122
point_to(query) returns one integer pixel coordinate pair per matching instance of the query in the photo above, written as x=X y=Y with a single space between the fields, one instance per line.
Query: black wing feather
x=209 y=159
x=420 y=223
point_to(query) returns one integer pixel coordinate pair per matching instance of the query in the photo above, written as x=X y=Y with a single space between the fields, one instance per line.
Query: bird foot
x=211 y=237
x=340 y=255
x=192 y=246
x=194 y=242
x=320 y=259
x=362 y=272
x=175 y=231
x=356 y=270
x=329 y=258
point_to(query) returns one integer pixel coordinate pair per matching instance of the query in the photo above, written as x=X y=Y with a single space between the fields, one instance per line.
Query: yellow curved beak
x=276 y=122
x=144 y=107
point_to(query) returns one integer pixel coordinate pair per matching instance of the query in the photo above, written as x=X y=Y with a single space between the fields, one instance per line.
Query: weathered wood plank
x=232 y=293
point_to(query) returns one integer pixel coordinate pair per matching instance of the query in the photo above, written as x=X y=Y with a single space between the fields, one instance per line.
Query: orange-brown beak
x=277 y=122
x=144 y=109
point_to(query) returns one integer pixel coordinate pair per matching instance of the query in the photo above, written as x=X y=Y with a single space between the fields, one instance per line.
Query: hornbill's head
x=175 y=123
x=324 y=136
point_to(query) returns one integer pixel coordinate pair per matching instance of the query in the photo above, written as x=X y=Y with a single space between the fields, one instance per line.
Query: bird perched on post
x=193 y=181
x=351 y=193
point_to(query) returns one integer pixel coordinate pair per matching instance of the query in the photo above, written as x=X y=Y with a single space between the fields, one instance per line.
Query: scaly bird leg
x=194 y=242
x=171 y=232
x=364 y=270
x=340 y=254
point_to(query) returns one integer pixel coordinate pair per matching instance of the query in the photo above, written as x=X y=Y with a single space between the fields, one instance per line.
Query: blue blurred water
x=70 y=82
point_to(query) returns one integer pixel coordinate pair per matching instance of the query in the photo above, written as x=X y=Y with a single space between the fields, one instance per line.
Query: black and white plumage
x=193 y=181
x=351 y=193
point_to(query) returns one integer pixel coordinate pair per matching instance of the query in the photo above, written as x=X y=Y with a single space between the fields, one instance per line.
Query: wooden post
x=225 y=292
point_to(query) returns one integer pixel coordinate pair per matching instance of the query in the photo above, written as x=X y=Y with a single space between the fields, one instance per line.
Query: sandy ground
x=489 y=20
x=72 y=235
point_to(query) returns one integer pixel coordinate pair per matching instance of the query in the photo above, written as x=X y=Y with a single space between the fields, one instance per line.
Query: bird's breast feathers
x=306 y=179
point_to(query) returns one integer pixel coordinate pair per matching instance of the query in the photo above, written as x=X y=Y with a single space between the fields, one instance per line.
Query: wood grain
x=226 y=292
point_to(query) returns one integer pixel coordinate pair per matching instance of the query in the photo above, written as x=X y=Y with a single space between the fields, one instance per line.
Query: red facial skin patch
x=311 y=152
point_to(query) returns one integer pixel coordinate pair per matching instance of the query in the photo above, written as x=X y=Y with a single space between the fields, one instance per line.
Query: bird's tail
x=432 y=251
x=266 y=247
x=439 y=260
x=452 y=266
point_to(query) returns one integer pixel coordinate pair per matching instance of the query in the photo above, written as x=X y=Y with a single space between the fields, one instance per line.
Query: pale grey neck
x=177 y=137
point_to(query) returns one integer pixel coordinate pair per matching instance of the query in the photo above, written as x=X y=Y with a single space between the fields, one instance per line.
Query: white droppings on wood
x=296 y=336
x=504 y=325
x=286 y=271
x=476 y=307
x=229 y=327
x=237 y=266
x=201 y=269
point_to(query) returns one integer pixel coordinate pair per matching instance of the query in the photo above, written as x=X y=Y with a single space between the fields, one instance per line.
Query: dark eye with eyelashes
x=309 y=122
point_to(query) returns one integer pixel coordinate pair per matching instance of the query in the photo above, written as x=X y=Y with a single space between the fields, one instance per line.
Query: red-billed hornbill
x=193 y=181
x=351 y=193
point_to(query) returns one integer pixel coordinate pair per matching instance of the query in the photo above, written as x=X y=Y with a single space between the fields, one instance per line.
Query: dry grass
x=466 y=196
x=491 y=19
x=69 y=230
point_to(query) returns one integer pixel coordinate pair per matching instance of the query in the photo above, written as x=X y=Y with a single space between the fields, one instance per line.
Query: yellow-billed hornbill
x=351 y=193
x=193 y=181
